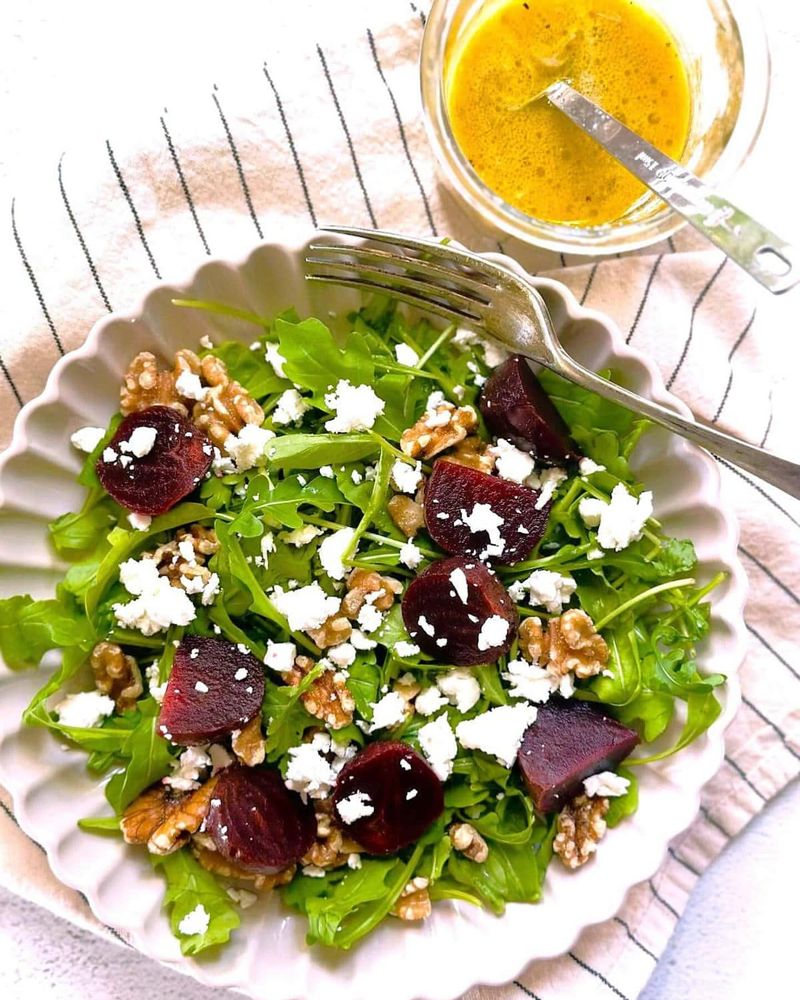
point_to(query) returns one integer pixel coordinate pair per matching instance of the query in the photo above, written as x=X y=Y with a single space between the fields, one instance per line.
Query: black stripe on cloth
x=743 y=776
x=184 y=186
x=11 y=383
x=402 y=131
x=758 y=489
x=645 y=294
x=776 y=728
x=589 y=281
x=697 y=303
x=769 y=422
x=768 y=572
x=29 y=270
x=671 y=244
x=710 y=819
x=563 y=259
x=635 y=940
x=346 y=131
x=237 y=161
x=418 y=12
x=292 y=148
x=682 y=861
x=81 y=240
x=733 y=350
x=136 y=220
x=597 y=975
x=525 y=989
x=663 y=901
x=774 y=652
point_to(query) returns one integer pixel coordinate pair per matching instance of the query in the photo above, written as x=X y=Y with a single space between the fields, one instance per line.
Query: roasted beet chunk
x=213 y=689
x=517 y=408
x=569 y=741
x=256 y=822
x=470 y=513
x=148 y=474
x=387 y=797
x=458 y=612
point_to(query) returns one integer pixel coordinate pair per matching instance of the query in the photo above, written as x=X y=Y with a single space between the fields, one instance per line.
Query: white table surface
x=737 y=936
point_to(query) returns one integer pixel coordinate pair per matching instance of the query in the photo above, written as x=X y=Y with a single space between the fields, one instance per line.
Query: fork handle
x=771 y=468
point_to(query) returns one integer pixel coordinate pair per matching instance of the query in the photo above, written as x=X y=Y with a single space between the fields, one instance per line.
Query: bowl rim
x=504 y=964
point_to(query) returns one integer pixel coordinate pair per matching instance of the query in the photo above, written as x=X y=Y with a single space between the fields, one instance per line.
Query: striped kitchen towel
x=330 y=130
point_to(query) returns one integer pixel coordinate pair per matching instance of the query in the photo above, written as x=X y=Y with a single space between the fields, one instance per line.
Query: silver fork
x=471 y=290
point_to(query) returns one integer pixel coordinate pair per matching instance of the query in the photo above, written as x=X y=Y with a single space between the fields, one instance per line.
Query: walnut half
x=581 y=825
x=163 y=820
x=570 y=645
x=437 y=429
x=116 y=674
x=466 y=839
x=328 y=698
x=414 y=902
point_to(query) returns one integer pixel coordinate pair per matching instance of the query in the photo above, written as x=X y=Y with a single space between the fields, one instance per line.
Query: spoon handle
x=765 y=256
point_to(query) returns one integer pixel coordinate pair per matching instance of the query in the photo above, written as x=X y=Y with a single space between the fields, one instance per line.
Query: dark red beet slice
x=517 y=408
x=213 y=689
x=403 y=791
x=448 y=628
x=256 y=822
x=569 y=741
x=178 y=460
x=453 y=490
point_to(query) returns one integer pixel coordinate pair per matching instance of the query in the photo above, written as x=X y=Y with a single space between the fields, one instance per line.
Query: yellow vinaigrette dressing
x=613 y=51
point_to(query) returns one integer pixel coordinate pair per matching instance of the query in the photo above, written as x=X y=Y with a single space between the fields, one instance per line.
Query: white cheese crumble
x=242 y=897
x=463 y=337
x=460 y=688
x=530 y=681
x=406 y=478
x=326 y=471
x=389 y=711
x=331 y=552
x=497 y=732
x=274 y=358
x=406 y=356
x=493 y=354
x=210 y=590
x=405 y=649
x=410 y=555
x=220 y=758
x=248 y=448
x=483 y=518
x=157 y=605
x=196 y=921
x=140 y=443
x=544 y=588
x=354 y=860
x=189 y=385
x=619 y=522
x=354 y=807
x=342 y=655
x=187 y=769
x=206 y=342
x=586 y=467
x=547 y=482
x=493 y=632
x=301 y=536
x=109 y=455
x=369 y=618
x=280 y=656
x=139 y=522
x=459 y=580
x=306 y=607
x=357 y=407
x=290 y=409
x=361 y=641
x=156 y=690
x=606 y=785
x=87 y=438
x=267 y=546
x=310 y=772
x=511 y=462
x=85 y=709
x=429 y=701
x=438 y=743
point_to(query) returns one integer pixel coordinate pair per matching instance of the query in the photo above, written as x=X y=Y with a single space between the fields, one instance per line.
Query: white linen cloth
x=333 y=132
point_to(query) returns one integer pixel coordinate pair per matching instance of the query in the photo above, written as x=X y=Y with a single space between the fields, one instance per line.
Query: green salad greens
x=270 y=519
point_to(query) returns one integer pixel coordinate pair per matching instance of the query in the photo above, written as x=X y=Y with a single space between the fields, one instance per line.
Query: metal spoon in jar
x=765 y=256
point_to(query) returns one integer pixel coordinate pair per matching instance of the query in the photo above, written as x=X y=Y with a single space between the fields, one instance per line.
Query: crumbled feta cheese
x=530 y=681
x=493 y=354
x=354 y=807
x=483 y=518
x=463 y=337
x=87 y=438
x=109 y=455
x=547 y=482
x=222 y=465
x=267 y=546
x=220 y=758
x=619 y=522
x=280 y=656
x=301 y=536
x=544 y=588
x=435 y=400
x=459 y=580
x=242 y=897
x=426 y=626
x=406 y=356
x=369 y=618
x=186 y=770
x=406 y=478
x=356 y=477
x=310 y=772
x=332 y=550
x=140 y=443
x=460 y=688
x=493 y=632
x=196 y=921
x=290 y=409
x=497 y=732
x=354 y=861
x=206 y=342
x=405 y=649
x=85 y=709
x=606 y=785
x=156 y=690
x=189 y=385
x=274 y=357
x=511 y=462
x=186 y=551
x=326 y=471
x=357 y=407
x=586 y=467
x=429 y=701
x=361 y=641
x=140 y=522
x=313 y=871
x=389 y=711
x=342 y=655
x=158 y=604
x=210 y=590
x=410 y=555
x=438 y=743
x=305 y=607
x=248 y=448
x=594 y=554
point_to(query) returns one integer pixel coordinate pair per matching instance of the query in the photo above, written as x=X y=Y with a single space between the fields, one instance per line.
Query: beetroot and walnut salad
x=371 y=622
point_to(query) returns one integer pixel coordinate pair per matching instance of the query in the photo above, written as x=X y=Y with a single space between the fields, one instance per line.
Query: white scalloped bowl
x=459 y=946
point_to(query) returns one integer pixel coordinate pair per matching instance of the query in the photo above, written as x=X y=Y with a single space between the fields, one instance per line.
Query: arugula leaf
x=363 y=682
x=620 y=806
x=189 y=885
x=284 y=714
x=100 y=824
x=81 y=532
x=148 y=757
x=28 y=629
x=510 y=874
x=249 y=368
x=315 y=361
x=311 y=451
